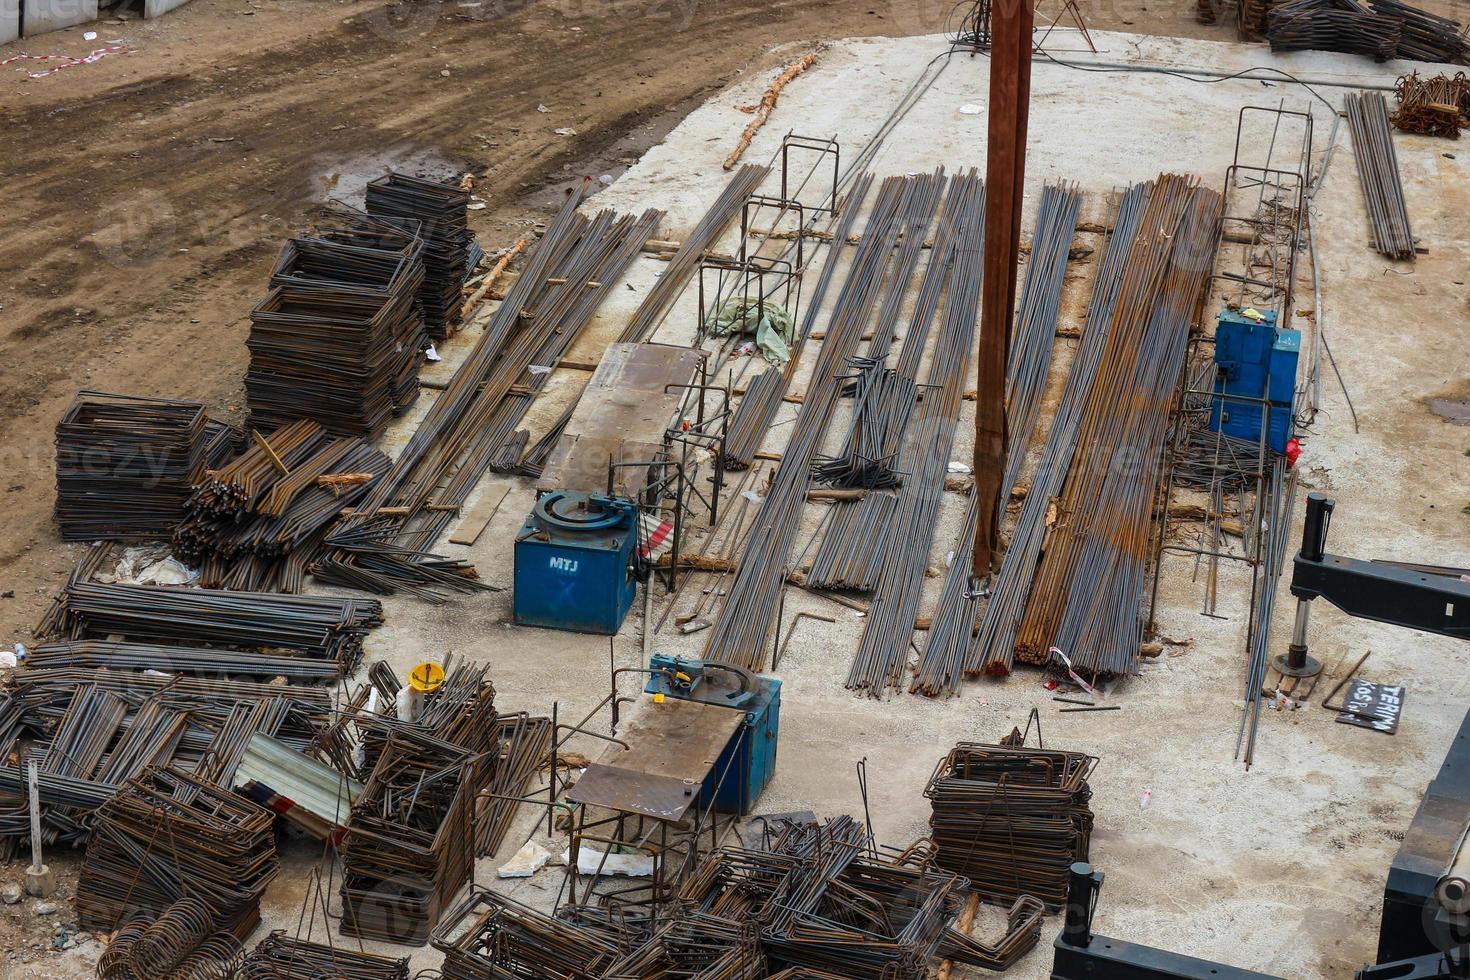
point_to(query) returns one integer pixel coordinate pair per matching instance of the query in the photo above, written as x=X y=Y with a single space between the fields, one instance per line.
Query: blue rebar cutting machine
x=749 y=761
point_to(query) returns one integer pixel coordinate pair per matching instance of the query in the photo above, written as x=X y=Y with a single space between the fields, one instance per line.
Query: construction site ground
x=136 y=251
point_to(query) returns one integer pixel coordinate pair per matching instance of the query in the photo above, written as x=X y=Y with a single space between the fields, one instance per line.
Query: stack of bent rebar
x=439 y=215
x=125 y=465
x=256 y=523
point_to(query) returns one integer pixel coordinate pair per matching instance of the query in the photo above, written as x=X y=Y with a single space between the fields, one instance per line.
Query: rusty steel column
x=1005 y=176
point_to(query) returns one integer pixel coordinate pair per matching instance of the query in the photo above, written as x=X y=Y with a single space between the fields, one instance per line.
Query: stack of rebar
x=884 y=401
x=882 y=655
x=385 y=546
x=325 y=353
x=280 y=957
x=701 y=238
x=948 y=640
x=1332 y=25
x=1435 y=106
x=1378 y=174
x=752 y=419
x=853 y=549
x=1011 y=819
x=256 y=523
x=124 y=465
x=443 y=216
x=409 y=845
x=169 y=836
x=348 y=250
x=1381 y=29
x=741 y=635
x=319 y=627
x=491 y=937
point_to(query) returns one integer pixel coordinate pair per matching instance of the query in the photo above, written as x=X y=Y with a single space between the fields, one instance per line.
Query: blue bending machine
x=1257 y=360
x=749 y=760
x=574 y=562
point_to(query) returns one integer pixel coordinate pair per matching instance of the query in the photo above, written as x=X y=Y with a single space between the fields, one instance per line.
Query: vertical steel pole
x=38 y=864
x=1005 y=177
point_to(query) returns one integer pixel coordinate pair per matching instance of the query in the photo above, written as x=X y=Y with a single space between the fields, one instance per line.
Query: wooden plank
x=479 y=517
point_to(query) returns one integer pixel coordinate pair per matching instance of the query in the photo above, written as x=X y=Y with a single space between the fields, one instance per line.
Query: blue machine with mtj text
x=1255 y=375
x=574 y=562
x=749 y=761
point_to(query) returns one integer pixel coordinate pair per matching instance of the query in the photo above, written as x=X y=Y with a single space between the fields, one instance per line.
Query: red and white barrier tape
x=67 y=61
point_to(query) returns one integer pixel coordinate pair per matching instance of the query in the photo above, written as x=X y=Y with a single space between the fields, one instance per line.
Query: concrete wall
x=42 y=16
x=9 y=20
x=157 y=8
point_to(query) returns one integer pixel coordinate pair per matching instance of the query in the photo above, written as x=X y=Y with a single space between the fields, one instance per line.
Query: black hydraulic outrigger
x=1425 y=932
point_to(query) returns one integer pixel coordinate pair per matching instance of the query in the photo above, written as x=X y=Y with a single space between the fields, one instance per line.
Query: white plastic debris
x=970 y=109
x=538 y=369
x=89 y=36
x=955 y=466
x=431 y=354
x=605 y=180
x=8 y=659
x=565 y=131
x=531 y=858
x=638 y=865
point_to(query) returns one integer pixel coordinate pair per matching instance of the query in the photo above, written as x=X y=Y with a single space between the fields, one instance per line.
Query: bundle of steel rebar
x=884 y=401
x=329 y=353
x=491 y=937
x=533 y=461
x=882 y=654
x=701 y=238
x=409 y=845
x=993 y=648
x=740 y=636
x=124 y=465
x=1435 y=106
x=1382 y=29
x=1011 y=819
x=346 y=249
x=1425 y=36
x=751 y=422
x=1378 y=174
x=181 y=943
x=169 y=836
x=385 y=545
x=1332 y=25
x=443 y=216
x=522 y=743
x=948 y=640
x=280 y=957
x=193 y=661
x=1086 y=596
x=852 y=550
x=255 y=524
x=1266 y=577
x=320 y=627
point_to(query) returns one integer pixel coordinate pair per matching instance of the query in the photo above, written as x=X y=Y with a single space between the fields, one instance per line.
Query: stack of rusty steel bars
x=347 y=249
x=569 y=308
x=1332 y=25
x=941 y=665
x=1127 y=279
x=852 y=550
x=280 y=957
x=169 y=836
x=441 y=211
x=751 y=421
x=701 y=238
x=882 y=655
x=125 y=465
x=325 y=628
x=1011 y=819
x=385 y=545
x=1378 y=173
x=491 y=937
x=522 y=745
x=1086 y=596
x=256 y=523
x=741 y=634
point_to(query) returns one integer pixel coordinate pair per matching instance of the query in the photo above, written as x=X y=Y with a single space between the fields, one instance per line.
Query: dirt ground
x=146 y=195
